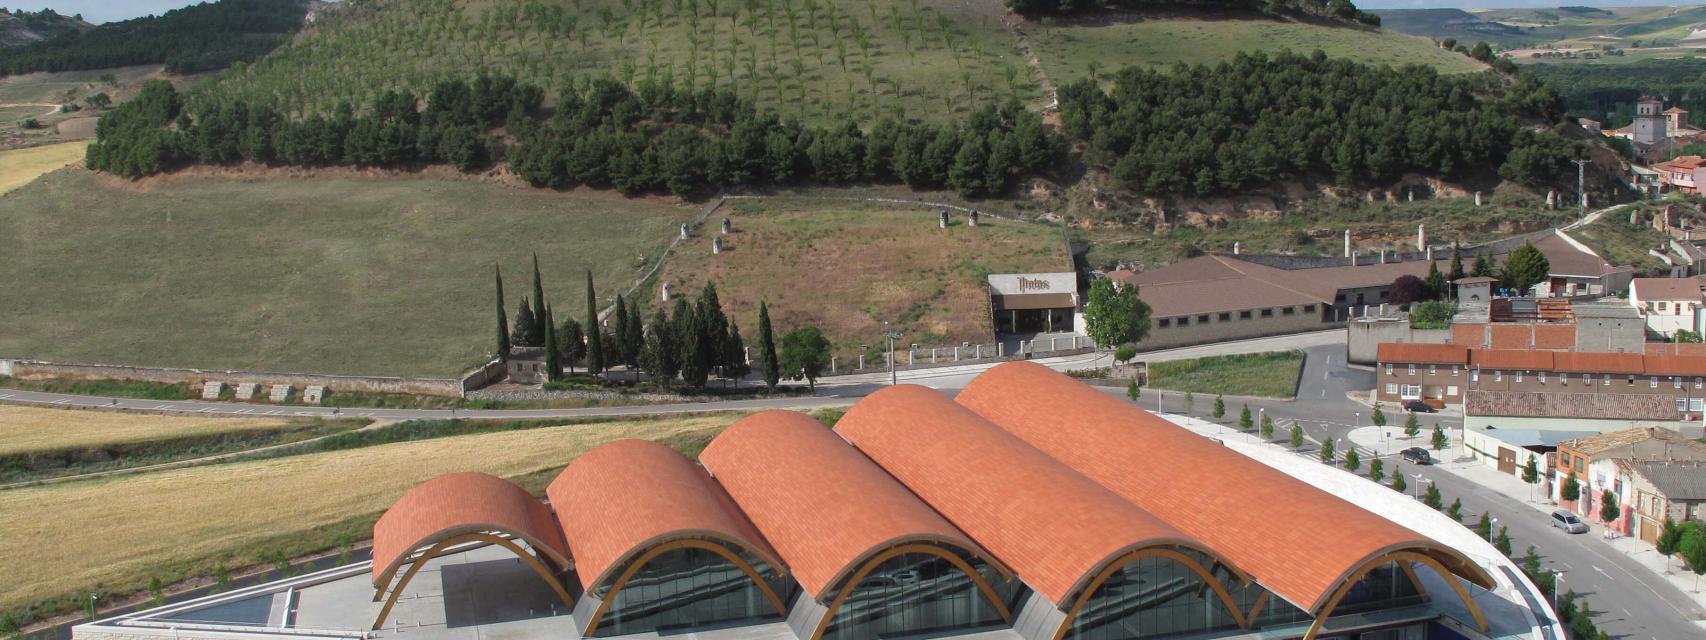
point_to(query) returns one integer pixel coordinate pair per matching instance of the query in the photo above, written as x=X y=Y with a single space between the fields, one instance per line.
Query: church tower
x=1649 y=123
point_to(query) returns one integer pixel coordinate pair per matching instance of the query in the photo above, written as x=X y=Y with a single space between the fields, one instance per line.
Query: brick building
x=1442 y=374
x=1599 y=462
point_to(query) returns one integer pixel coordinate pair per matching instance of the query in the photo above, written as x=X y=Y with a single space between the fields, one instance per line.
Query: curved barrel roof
x=625 y=496
x=460 y=503
x=1296 y=540
x=822 y=504
x=1053 y=527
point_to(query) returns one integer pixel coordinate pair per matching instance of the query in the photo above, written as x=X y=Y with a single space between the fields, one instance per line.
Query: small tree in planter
x=1609 y=511
x=1484 y=527
x=1244 y=419
x=1353 y=462
x=1133 y=391
x=1455 y=510
x=1296 y=437
x=1439 y=439
x=1219 y=407
x=1378 y=417
x=1376 y=470
x=1267 y=427
x=1433 y=499
x=1327 y=453
x=1572 y=490
x=1503 y=540
x=1398 y=483
x=1412 y=426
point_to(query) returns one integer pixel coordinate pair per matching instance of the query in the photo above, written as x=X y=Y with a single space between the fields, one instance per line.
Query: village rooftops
x=1596 y=406
x=1601 y=443
x=1666 y=288
x=1676 y=479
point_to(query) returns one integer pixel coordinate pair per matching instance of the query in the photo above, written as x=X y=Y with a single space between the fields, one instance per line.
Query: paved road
x=1628 y=600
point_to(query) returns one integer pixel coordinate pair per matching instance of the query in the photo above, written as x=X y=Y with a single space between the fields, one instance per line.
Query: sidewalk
x=1513 y=487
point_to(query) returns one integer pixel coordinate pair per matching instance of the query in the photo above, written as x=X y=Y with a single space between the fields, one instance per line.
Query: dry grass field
x=34 y=429
x=112 y=535
x=847 y=267
x=19 y=166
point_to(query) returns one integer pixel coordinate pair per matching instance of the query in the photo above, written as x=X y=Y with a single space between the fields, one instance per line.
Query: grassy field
x=1269 y=375
x=19 y=166
x=818 y=59
x=1067 y=51
x=67 y=87
x=846 y=268
x=113 y=535
x=389 y=276
x=1621 y=243
x=34 y=429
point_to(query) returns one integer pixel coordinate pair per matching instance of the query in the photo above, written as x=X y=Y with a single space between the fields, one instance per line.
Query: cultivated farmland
x=25 y=429
x=19 y=166
x=113 y=535
x=329 y=274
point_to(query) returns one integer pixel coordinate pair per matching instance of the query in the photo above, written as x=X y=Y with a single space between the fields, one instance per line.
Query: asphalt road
x=1628 y=601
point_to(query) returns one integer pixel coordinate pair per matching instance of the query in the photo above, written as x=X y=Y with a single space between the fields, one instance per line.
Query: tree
x=1483 y=267
x=691 y=342
x=1609 y=511
x=805 y=354
x=1502 y=542
x=734 y=354
x=1439 y=439
x=619 y=349
x=660 y=356
x=1670 y=539
x=1353 y=460
x=1133 y=391
x=503 y=322
x=1267 y=426
x=1219 y=407
x=1456 y=272
x=553 y=355
x=1572 y=490
x=538 y=307
x=1686 y=336
x=1296 y=437
x=1376 y=470
x=767 y=360
x=1407 y=289
x=1531 y=471
x=1455 y=510
x=1525 y=267
x=571 y=343
x=1126 y=352
x=1437 y=287
x=1244 y=419
x=526 y=332
x=1484 y=527
x=1530 y=561
x=1190 y=402
x=1378 y=417
x=713 y=329
x=594 y=336
x=1692 y=545
x=1398 y=483
x=156 y=593
x=1412 y=426
x=1432 y=498
x=1327 y=454
x=634 y=337
x=1114 y=315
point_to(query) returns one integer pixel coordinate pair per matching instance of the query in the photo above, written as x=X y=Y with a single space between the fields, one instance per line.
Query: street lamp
x=1418 y=478
x=892 y=336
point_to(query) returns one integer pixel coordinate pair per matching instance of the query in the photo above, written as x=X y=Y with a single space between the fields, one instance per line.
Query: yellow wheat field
x=35 y=429
x=19 y=166
x=112 y=535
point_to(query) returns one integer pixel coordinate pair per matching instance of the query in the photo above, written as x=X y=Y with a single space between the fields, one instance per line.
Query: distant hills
x=18 y=27
x=200 y=37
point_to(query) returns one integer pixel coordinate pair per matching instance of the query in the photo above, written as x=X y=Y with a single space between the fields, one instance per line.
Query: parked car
x=1419 y=407
x=1569 y=522
x=1416 y=455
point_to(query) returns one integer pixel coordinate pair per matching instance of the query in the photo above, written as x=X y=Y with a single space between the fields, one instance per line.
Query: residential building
x=1593 y=461
x=1682 y=173
x=1505 y=430
x=1432 y=372
x=1659 y=489
x=1667 y=304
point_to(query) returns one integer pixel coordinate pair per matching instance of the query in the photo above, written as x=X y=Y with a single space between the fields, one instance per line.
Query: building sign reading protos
x=1012 y=284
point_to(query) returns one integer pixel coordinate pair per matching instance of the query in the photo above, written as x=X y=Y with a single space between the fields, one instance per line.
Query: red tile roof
x=1676 y=349
x=460 y=503
x=1511 y=359
x=1422 y=353
x=1053 y=527
x=1645 y=289
x=1676 y=365
x=1469 y=335
x=822 y=504
x=1586 y=362
x=625 y=496
x=1241 y=508
x=1512 y=336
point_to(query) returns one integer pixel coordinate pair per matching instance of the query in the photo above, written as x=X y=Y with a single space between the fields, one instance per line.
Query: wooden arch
x=1401 y=557
x=677 y=545
x=1108 y=572
x=538 y=566
x=891 y=553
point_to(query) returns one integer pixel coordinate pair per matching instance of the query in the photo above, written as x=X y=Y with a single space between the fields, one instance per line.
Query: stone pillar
x=1237 y=248
x=1477 y=198
x=942 y=219
x=1421 y=237
x=974 y=217
x=932 y=355
x=832 y=364
x=663 y=291
x=1430 y=254
x=861 y=362
x=683 y=231
x=1410 y=194
x=1552 y=199
x=716 y=245
x=727 y=226
x=1383 y=255
x=1348 y=244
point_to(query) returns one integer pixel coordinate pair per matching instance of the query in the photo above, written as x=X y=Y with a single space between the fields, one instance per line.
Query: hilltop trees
x=196 y=38
x=1341 y=9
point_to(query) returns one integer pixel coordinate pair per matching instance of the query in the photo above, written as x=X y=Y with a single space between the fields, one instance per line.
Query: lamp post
x=1557 y=586
x=892 y=336
x=1418 y=478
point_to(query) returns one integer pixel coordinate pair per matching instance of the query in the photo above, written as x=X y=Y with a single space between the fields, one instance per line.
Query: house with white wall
x=1667 y=304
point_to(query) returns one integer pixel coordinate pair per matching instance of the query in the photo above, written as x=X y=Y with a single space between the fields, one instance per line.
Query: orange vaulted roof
x=1511 y=359
x=1294 y=539
x=460 y=503
x=1422 y=353
x=824 y=506
x=1053 y=527
x=625 y=496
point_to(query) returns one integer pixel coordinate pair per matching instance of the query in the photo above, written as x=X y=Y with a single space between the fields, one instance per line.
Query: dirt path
x=51 y=108
x=183 y=463
x=1051 y=111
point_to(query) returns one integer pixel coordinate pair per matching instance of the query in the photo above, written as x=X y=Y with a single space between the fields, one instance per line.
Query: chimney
x=1348 y=253
x=1237 y=248
x=1421 y=237
x=942 y=219
x=663 y=291
x=716 y=245
x=684 y=231
x=1477 y=199
x=727 y=226
x=974 y=217
x=1383 y=255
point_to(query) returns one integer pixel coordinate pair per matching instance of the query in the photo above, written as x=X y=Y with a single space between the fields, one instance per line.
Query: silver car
x=1569 y=522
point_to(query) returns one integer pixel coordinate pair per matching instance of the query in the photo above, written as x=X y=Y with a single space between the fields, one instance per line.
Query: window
x=1578 y=462
x=1519 y=376
x=1164 y=323
x=1454 y=370
x=1652 y=382
x=1411 y=392
x=1225 y=317
x=1309 y=308
x=1243 y=315
x=1451 y=390
x=917 y=594
x=1541 y=376
x=1664 y=306
x=1475 y=376
x=1433 y=369
x=1391 y=388
x=1339 y=298
x=1412 y=370
x=1498 y=376
x=1681 y=404
x=1696 y=404
x=1675 y=382
x=1288 y=311
x=1383 y=294
x=1202 y=319
x=1388 y=368
x=1267 y=313
x=1697 y=382
x=1184 y=321
x=1587 y=379
x=1564 y=379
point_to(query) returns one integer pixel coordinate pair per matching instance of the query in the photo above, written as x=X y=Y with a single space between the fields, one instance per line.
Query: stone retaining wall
x=37 y=370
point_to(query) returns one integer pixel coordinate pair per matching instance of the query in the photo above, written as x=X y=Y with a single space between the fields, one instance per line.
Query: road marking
x=62 y=401
x=1602 y=572
x=160 y=407
x=4 y=396
x=274 y=412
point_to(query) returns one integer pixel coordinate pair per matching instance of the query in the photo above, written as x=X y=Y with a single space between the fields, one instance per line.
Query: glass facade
x=918 y=593
x=689 y=588
x=1151 y=597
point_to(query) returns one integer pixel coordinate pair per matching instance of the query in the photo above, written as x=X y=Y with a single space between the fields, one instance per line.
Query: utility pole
x=1581 y=181
x=892 y=336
